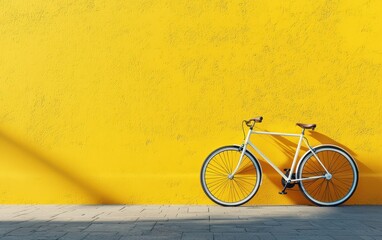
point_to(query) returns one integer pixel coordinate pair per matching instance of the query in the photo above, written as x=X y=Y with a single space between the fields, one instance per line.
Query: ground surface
x=121 y=222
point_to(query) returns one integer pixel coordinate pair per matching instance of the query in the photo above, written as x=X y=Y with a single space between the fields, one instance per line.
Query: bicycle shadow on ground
x=48 y=164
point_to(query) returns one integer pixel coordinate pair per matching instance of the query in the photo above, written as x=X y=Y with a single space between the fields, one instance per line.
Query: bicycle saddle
x=306 y=126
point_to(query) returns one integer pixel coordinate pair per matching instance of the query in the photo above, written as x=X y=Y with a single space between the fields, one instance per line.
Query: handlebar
x=251 y=122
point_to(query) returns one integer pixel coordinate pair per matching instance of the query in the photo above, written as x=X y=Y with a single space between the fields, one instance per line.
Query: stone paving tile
x=195 y=209
x=373 y=224
x=110 y=227
x=264 y=236
x=224 y=217
x=74 y=236
x=236 y=236
x=327 y=224
x=303 y=237
x=7 y=228
x=73 y=227
x=153 y=237
x=35 y=235
x=102 y=236
x=22 y=231
x=116 y=219
x=24 y=238
x=181 y=226
x=226 y=229
x=197 y=236
x=367 y=238
x=342 y=232
x=347 y=237
x=47 y=235
x=193 y=216
x=137 y=232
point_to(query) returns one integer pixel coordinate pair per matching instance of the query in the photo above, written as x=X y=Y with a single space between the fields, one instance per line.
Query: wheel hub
x=328 y=176
x=230 y=177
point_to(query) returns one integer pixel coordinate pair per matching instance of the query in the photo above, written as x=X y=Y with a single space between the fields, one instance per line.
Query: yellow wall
x=121 y=101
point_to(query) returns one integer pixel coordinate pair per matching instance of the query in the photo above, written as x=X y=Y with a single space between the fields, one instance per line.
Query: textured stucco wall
x=121 y=101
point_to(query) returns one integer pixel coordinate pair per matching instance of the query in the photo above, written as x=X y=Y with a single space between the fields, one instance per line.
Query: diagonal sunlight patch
x=35 y=177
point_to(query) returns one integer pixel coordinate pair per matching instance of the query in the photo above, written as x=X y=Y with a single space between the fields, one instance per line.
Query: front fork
x=242 y=148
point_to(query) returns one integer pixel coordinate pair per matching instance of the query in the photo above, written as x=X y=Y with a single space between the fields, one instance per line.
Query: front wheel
x=336 y=186
x=226 y=190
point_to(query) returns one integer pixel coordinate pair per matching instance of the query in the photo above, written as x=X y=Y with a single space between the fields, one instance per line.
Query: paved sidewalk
x=122 y=222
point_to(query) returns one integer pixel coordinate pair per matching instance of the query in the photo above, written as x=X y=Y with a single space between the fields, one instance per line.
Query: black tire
x=337 y=188
x=223 y=190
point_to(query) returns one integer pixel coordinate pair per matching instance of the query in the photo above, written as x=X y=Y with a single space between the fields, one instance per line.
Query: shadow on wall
x=87 y=188
x=288 y=148
x=362 y=168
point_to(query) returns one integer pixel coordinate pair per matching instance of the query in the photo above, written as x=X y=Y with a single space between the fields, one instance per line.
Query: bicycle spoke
x=216 y=184
x=241 y=188
x=244 y=181
x=340 y=165
x=227 y=161
x=213 y=170
x=339 y=189
x=342 y=170
x=235 y=190
x=224 y=165
x=217 y=167
x=317 y=188
x=337 y=161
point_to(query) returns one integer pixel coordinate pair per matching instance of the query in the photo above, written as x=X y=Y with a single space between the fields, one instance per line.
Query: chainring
x=291 y=184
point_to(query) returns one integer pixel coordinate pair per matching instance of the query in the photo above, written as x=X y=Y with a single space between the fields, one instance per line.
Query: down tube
x=269 y=161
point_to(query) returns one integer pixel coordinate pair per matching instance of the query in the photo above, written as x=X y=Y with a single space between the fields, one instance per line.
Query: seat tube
x=296 y=155
x=245 y=144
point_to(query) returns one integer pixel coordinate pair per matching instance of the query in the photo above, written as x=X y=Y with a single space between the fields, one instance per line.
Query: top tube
x=279 y=134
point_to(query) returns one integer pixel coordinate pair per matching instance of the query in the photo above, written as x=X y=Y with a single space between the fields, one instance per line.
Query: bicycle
x=326 y=174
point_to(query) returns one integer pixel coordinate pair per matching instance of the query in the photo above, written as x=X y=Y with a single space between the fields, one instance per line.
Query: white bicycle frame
x=288 y=178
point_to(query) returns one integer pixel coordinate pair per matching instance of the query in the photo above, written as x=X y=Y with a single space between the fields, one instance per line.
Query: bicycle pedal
x=283 y=193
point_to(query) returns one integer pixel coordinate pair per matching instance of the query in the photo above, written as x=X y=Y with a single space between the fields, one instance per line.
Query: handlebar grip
x=254 y=120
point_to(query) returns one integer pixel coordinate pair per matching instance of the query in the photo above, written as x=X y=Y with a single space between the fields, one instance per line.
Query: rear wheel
x=337 y=186
x=222 y=189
